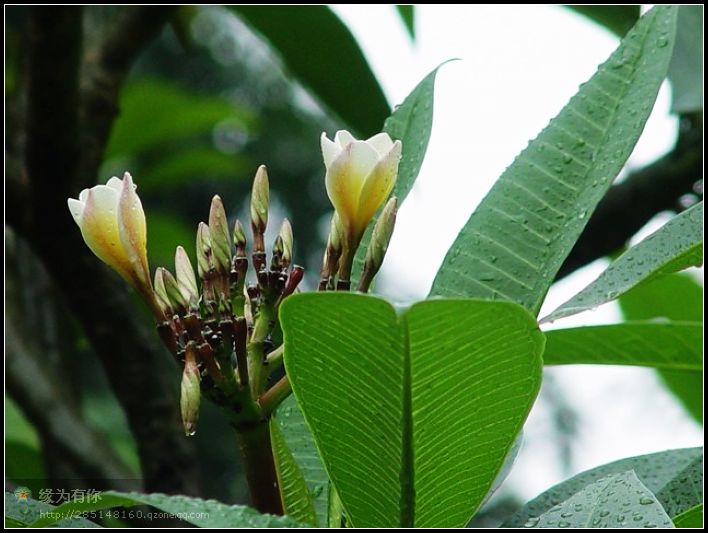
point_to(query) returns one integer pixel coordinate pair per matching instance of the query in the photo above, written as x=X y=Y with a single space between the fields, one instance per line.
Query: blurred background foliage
x=216 y=93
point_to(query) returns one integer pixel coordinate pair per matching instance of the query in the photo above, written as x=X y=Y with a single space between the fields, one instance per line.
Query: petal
x=76 y=207
x=344 y=138
x=186 y=279
x=99 y=228
x=133 y=230
x=378 y=185
x=346 y=176
x=381 y=142
x=330 y=149
x=115 y=183
x=83 y=194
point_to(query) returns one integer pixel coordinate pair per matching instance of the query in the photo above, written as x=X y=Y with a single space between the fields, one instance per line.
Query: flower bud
x=190 y=390
x=378 y=245
x=186 y=280
x=161 y=294
x=220 y=239
x=381 y=235
x=286 y=236
x=259 y=207
x=239 y=239
x=204 y=261
x=177 y=300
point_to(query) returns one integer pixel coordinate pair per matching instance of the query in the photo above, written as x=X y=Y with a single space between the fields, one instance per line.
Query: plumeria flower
x=360 y=176
x=112 y=223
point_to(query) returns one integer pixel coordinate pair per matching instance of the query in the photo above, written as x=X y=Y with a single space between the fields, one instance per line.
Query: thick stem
x=259 y=465
x=273 y=397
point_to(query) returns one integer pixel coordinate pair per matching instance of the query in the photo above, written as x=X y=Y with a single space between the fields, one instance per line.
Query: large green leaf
x=672 y=297
x=685 y=490
x=617 y=19
x=655 y=471
x=410 y=122
x=515 y=242
x=295 y=495
x=693 y=518
x=322 y=53
x=617 y=501
x=301 y=444
x=675 y=346
x=413 y=414
x=407 y=14
x=23 y=513
x=686 y=68
x=201 y=513
x=677 y=245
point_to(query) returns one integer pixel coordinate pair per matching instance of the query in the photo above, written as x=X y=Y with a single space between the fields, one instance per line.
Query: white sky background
x=519 y=66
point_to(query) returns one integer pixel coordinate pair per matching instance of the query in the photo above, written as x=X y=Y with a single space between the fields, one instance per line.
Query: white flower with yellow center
x=360 y=176
x=112 y=223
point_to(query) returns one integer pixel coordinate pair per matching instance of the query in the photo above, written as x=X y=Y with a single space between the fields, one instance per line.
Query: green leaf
x=617 y=19
x=335 y=510
x=24 y=513
x=411 y=123
x=677 y=245
x=685 y=490
x=693 y=518
x=617 y=501
x=297 y=502
x=515 y=242
x=382 y=394
x=677 y=297
x=655 y=471
x=320 y=51
x=407 y=14
x=686 y=68
x=299 y=441
x=673 y=297
x=156 y=112
x=201 y=513
x=676 y=346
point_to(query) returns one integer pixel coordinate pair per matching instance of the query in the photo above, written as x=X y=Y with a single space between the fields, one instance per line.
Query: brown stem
x=257 y=457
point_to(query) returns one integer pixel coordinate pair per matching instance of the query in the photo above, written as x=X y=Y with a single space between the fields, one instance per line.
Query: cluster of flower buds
x=222 y=334
x=360 y=176
x=220 y=329
x=224 y=330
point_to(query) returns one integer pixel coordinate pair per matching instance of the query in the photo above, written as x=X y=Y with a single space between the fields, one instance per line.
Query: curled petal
x=381 y=142
x=330 y=150
x=99 y=228
x=346 y=177
x=378 y=184
x=343 y=138
x=133 y=230
x=76 y=207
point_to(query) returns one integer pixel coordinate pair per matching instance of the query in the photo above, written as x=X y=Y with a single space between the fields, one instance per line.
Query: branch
x=57 y=160
x=632 y=203
x=105 y=67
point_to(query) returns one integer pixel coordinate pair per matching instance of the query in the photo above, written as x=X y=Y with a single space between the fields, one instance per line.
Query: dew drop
x=646 y=500
x=662 y=42
x=532 y=522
